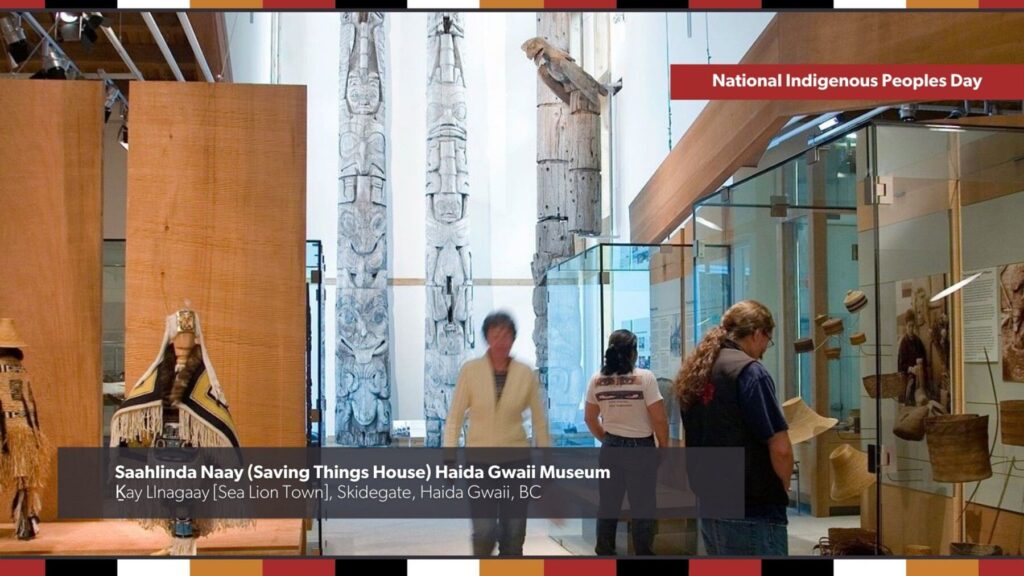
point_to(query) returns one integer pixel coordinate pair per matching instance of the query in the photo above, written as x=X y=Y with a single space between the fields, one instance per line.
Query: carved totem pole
x=364 y=391
x=568 y=194
x=449 y=273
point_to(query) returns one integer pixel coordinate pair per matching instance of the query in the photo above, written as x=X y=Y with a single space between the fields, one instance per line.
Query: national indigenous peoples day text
x=823 y=82
x=379 y=472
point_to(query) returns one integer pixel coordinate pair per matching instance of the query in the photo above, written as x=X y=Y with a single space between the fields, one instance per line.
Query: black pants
x=636 y=476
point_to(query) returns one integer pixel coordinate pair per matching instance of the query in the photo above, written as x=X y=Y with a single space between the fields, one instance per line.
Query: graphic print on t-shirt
x=624 y=401
x=625 y=388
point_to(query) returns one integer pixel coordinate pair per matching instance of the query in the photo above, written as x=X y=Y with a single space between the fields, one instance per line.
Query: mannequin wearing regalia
x=178 y=402
x=24 y=451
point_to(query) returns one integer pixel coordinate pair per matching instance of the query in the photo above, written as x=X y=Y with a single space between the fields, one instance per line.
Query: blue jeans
x=639 y=480
x=749 y=537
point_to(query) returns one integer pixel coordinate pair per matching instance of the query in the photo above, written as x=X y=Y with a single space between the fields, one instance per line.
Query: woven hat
x=855 y=300
x=803 y=345
x=9 y=335
x=858 y=338
x=1011 y=416
x=850 y=474
x=804 y=423
x=832 y=326
x=892 y=385
x=958 y=447
x=820 y=319
x=833 y=353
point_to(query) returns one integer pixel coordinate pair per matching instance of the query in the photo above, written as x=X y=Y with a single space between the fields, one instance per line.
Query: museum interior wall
x=52 y=239
x=502 y=200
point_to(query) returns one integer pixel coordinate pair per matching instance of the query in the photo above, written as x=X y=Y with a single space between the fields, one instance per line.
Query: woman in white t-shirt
x=625 y=410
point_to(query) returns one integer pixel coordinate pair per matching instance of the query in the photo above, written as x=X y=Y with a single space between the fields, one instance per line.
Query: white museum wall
x=653 y=41
x=249 y=46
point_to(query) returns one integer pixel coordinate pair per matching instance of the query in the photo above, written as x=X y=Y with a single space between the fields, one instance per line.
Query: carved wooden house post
x=363 y=409
x=449 y=271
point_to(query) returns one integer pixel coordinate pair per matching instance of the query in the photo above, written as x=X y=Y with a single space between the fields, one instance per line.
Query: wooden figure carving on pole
x=568 y=190
x=449 y=272
x=364 y=390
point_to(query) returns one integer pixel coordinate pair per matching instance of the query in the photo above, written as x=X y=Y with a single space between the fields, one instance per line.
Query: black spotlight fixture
x=14 y=38
x=91 y=22
x=53 y=66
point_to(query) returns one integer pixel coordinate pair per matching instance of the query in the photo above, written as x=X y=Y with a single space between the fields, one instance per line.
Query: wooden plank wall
x=51 y=156
x=217 y=215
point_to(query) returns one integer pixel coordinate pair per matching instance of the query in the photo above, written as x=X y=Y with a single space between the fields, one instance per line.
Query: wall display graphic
x=178 y=402
x=1011 y=305
x=363 y=410
x=25 y=458
x=449 y=272
x=923 y=348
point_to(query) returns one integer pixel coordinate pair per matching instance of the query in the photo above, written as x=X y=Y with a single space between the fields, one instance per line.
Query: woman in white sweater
x=495 y=390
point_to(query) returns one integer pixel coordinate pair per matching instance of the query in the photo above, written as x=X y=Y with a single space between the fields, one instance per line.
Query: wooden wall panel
x=217 y=215
x=51 y=141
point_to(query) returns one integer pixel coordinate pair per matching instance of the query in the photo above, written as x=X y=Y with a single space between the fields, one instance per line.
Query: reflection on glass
x=609 y=287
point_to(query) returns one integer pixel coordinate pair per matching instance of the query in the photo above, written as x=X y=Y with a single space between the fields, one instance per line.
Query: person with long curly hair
x=727 y=399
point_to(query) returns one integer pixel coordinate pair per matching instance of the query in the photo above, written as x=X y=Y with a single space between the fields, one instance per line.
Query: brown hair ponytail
x=742 y=319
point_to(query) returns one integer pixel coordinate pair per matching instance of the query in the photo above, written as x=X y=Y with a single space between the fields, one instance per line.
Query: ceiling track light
x=69 y=27
x=54 y=67
x=14 y=39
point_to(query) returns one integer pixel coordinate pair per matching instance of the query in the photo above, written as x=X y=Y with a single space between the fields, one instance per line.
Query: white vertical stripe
x=870 y=4
x=872 y=566
x=153 y=4
x=153 y=567
x=443 y=4
x=445 y=568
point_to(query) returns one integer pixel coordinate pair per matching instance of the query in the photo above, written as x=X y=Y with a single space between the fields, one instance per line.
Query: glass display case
x=609 y=287
x=315 y=347
x=641 y=288
x=787 y=237
x=924 y=379
x=949 y=296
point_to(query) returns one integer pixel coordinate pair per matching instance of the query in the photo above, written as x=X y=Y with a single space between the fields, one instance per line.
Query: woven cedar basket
x=1011 y=415
x=892 y=385
x=958 y=447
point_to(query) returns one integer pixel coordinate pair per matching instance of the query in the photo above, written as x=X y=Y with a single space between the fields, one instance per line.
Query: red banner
x=896 y=82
